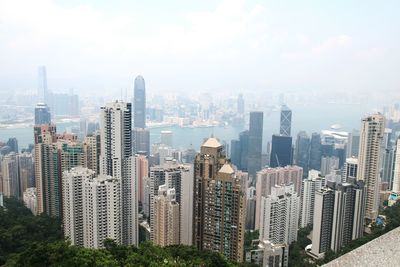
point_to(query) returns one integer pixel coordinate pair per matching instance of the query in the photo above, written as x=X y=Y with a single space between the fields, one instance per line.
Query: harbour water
x=310 y=118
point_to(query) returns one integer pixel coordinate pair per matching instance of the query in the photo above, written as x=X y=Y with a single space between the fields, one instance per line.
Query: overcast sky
x=202 y=45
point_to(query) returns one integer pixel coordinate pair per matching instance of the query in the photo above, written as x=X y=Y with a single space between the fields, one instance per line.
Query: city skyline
x=210 y=133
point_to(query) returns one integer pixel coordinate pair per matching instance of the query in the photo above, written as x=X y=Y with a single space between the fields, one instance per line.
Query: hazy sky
x=202 y=45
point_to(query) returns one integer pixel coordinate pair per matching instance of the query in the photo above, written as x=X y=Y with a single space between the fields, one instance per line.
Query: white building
x=72 y=193
x=268 y=254
x=310 y=186
x=102 y=216
x=30 y=199
x=280 y=215
x=269 y=177
x=116 y=160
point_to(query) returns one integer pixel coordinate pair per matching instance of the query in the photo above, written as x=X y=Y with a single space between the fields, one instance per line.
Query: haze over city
x=199 y=133
x=229 y=46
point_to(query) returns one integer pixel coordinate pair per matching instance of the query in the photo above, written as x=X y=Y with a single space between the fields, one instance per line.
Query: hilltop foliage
x=27 y=240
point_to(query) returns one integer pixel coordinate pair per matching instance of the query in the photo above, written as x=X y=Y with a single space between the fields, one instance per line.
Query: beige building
x=91 y=148
x=219 y=203
x=166 y=225
x=371 y=136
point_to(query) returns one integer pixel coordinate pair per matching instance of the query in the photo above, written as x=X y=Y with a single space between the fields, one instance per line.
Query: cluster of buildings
x=111 y=183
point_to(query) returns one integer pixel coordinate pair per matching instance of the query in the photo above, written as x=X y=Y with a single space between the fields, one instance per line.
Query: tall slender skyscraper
x=42 y=84
x=315 y=152
x=117 y=161
x=219 y=203
x=255 y=142
x=371 y=136
x=302 y=151
x=396 y=173
x=286 y=121
x=139 y=102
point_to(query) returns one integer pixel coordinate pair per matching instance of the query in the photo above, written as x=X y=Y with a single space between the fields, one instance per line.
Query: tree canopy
x=27 y=240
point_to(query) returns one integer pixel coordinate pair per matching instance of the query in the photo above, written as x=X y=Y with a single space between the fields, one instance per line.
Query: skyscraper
x=72 y=188
x=396 y=173
x=180 y=178
x=47 y=170
x=315 y=152
x=141 y=141
x=255 y=142
x=286 y=121
x=91 y=150
x=353 y=144
x=244 y=150
x=219 y=203
x=139 y=103
x=310 y=186
x=42 y=84
x=10 y=177
x=270 y=177
x=371 y=135
x=236 y=153
x=166 y=224
x=42 y=114
x=280 y=215
x=281 y=151
x=117 y=161
x=350 y=170
x=102 y=211
x=26 y=170
x=338 y=216
x=322 y=222
x=387 y=162
x=302 y=151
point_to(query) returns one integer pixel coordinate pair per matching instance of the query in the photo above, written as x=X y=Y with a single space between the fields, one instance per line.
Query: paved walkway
x=382 y=251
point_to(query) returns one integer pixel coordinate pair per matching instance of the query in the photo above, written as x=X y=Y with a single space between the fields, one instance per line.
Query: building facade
x=369 y=156
x=219 y=203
